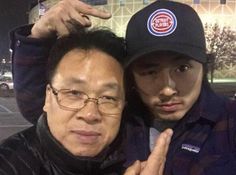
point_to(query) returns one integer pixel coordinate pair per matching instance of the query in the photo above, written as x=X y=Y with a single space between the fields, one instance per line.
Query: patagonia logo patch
x=190 y=148
x=162 y=22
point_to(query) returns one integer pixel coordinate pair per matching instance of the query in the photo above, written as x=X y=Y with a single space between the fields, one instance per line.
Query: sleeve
x=29 y=59
x=232 y=126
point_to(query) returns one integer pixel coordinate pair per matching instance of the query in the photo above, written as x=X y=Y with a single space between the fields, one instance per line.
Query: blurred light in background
x=196 y=1
x=222 y=1
x=145 y=2
x=122 y=2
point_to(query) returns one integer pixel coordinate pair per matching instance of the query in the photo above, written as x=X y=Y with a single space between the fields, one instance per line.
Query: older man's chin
x=87 y=150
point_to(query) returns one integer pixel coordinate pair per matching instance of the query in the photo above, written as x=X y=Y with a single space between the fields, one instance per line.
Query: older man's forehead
x=109 y=84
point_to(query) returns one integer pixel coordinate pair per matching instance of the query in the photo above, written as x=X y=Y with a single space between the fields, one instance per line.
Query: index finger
x=134 y=169
x=156 y=160
x=87 y=9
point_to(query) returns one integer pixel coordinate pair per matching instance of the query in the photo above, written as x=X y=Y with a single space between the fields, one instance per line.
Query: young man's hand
x=65 y=17
x=156 y=161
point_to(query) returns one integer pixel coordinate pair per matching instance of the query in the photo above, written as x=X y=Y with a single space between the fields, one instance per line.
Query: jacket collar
x=64 y=161
x=209 y=106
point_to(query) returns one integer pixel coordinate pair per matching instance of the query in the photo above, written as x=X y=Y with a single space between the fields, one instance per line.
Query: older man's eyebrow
x=112 y=86
x=105 y=86
x=76 y=80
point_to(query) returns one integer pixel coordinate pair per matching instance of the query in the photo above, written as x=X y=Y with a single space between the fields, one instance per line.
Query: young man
x=167 y=87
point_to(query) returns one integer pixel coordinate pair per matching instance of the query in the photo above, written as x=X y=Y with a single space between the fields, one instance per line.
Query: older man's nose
x=90 y=112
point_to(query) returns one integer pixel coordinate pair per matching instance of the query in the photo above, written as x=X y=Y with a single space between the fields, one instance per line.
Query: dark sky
x=12 y=14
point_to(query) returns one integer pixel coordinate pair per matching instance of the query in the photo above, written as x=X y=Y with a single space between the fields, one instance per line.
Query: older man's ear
x=47 y=98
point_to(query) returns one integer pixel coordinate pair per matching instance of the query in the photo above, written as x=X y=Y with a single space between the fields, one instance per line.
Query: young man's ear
x=47 y=98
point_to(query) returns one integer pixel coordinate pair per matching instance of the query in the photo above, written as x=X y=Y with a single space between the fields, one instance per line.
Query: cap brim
x=193 y=52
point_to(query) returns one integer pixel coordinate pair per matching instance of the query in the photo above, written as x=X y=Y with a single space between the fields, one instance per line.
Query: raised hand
x=65 y=17
x=156 y=161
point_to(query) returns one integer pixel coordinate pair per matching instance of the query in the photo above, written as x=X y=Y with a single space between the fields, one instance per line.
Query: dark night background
x=12 y=14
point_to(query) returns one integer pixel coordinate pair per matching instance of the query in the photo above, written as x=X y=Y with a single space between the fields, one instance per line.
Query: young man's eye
x=183 y=68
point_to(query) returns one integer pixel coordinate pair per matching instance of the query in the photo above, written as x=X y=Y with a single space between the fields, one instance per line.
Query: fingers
x=89 y=10
x=134 y=169
x=156 y=161
x=167 y=134
x=64 y=29
x=162 y=143
x=79 y=18
x=65 y=17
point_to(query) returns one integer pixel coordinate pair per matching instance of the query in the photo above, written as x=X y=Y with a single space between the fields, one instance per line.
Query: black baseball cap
x=165 y=26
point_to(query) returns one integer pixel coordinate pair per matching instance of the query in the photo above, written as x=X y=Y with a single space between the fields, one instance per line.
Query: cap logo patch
x=162 y=22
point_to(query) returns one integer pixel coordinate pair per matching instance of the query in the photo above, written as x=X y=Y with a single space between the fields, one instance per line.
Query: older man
x=81 y=129
x=78 y=132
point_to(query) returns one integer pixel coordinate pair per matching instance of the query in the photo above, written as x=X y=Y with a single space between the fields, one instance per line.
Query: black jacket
x=35 y=152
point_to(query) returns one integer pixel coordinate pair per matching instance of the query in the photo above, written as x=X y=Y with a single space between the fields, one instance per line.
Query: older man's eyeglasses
x=75 y=100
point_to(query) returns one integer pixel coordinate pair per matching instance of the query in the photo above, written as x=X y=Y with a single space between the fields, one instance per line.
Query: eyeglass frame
x=85 y=101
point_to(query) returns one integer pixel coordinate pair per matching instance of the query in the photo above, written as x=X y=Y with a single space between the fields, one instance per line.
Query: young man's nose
x=90 y=112
x=167 y=83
